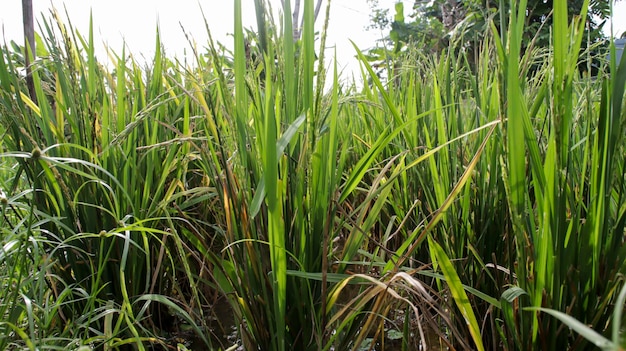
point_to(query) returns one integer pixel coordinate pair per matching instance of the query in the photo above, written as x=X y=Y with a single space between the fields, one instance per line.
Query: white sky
x=134 y=21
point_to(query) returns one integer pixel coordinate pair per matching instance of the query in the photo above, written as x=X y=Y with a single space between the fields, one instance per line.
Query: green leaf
x=457 y=291
x=281 y=145
x=588 y=333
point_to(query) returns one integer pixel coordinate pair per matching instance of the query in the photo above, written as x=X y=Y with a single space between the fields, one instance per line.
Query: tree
x=424 y=30
x=539 y=19
x=438 y=21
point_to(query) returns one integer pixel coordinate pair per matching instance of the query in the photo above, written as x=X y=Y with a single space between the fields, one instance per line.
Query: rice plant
x=105 y=155
x=461 y=203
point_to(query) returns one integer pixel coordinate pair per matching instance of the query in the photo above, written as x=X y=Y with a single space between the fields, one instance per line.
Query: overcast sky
x=134 y=22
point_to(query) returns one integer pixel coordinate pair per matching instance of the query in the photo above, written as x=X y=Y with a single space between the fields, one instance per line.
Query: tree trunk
x=297 y=31
x=29 y=45
x=452 y=13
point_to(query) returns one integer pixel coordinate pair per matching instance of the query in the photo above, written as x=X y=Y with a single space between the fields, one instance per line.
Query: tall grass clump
x=316 y=258
x=540 y=226
x=564 y=186
x=107 y=161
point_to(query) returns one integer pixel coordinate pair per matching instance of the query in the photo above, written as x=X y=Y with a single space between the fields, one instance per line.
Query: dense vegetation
x=432 y=24
x=456 y=205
